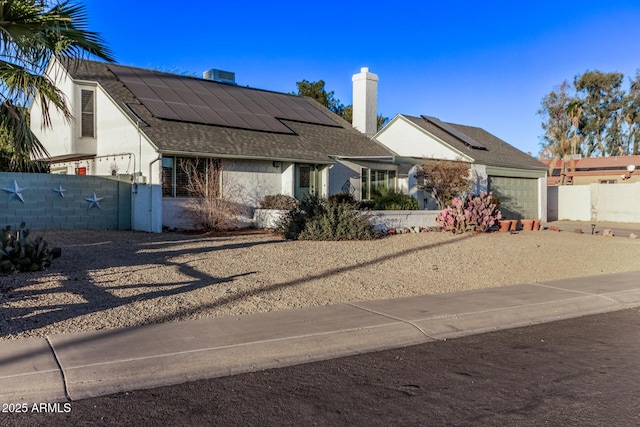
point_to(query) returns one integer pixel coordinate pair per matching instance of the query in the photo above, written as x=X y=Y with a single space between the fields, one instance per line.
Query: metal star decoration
x=59 y=191
x=14 y=191
x=94 y=201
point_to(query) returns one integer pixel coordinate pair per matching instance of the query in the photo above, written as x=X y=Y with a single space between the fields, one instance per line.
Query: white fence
x=381 y=220
x=594 y=202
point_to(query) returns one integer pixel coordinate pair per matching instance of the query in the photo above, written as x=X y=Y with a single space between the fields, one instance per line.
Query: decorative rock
x=415 y=229
x=633 y=236
x=608 y=233
x=578 y=231
x=554 y=228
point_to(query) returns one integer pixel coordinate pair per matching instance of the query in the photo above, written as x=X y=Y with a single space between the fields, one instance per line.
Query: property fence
x=594 y=202
x=46 y=201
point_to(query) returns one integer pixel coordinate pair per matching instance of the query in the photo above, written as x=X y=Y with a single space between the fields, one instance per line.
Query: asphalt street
x=577 y=372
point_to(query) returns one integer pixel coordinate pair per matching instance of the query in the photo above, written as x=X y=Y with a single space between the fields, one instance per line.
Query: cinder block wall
x=594 y=202
x=37 y=200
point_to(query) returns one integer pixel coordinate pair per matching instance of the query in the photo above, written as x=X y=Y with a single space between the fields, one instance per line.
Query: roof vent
x=220 y=76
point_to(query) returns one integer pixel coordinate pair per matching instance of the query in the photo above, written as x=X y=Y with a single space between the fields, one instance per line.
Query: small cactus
x=19 y=252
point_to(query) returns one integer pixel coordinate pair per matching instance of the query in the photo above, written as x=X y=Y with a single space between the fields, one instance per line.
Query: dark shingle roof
x=497 y=153
x=308 y=142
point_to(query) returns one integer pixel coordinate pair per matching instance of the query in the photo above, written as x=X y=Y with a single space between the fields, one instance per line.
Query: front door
x=307 y=180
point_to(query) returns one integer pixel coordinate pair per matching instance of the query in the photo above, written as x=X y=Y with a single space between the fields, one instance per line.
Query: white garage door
x=518 y=196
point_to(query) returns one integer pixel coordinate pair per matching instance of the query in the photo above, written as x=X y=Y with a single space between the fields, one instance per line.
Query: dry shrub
x=215 y=204
x=446 y=179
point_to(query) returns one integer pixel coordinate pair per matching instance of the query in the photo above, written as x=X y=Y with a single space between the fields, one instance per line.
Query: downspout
x=139 y=151
x=151 y=193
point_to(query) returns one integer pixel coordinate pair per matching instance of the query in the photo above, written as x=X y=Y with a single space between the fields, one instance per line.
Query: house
x=594 y=170
x=515 y=177
x=154 y=126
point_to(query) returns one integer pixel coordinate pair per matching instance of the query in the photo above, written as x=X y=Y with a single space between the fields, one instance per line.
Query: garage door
x=518 y=196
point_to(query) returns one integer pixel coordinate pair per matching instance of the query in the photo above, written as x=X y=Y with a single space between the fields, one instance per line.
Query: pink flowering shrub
x=471 y=213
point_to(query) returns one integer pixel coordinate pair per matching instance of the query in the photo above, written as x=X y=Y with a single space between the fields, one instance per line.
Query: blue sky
x=485 y=64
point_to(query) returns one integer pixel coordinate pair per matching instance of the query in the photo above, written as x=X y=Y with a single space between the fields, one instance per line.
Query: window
x=305 y=176
x=177 y=173
x=374 y=178
x=88 y=117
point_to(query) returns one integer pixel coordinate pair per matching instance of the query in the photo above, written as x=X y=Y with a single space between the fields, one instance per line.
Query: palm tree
x=32 y=32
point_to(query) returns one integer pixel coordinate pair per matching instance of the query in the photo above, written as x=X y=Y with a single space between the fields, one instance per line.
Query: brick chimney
x=365 y=100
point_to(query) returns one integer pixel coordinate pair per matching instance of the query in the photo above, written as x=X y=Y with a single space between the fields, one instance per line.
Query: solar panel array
x=450 y=130
x=188 y=99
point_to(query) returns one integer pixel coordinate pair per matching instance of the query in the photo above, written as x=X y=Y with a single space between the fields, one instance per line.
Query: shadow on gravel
x=327 y=273
x=95 y=297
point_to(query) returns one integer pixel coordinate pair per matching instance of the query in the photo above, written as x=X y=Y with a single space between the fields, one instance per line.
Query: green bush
x=367 y=205
x=343 y=198
x=278 y=201
x=388 y=199
x=318 y=219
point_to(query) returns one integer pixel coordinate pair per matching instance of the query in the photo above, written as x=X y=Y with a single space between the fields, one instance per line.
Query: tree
x=561 y=112
x=601 y=95
x=317 y=91
x=348 y=116
x=605 y=119
x=631 y=112
x=32 y=32
x=446 y=179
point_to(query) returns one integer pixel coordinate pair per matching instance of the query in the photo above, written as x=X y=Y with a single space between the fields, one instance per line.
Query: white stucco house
x=514 y=176
x=145 y=124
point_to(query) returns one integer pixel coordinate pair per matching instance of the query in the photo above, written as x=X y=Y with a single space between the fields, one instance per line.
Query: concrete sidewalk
x=76 y=366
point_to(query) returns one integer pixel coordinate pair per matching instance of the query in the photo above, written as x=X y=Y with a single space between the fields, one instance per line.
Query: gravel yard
x=109 y=279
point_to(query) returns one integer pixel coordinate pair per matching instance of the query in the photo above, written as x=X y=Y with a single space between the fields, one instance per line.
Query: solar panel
x=462 y=137
x=188 y=99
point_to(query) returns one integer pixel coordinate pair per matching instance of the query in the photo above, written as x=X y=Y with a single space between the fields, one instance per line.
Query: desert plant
x=473 y=213
x=215 y=205
x=279 y=202
x=19 y=252
x=495 y=200
x=389 y=199
x=319 y=219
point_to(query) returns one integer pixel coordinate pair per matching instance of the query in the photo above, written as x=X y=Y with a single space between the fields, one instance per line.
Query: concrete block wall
x=594 y=202
x=40 y=206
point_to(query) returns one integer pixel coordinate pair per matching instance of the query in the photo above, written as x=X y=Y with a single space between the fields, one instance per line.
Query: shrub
x=318 y=219
x=279 y=202
x=366 y=205
x=445 y=179
x=388 y=199
x=213 y=205
x=473 y=213
x=19 y=252
x=343 y=198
